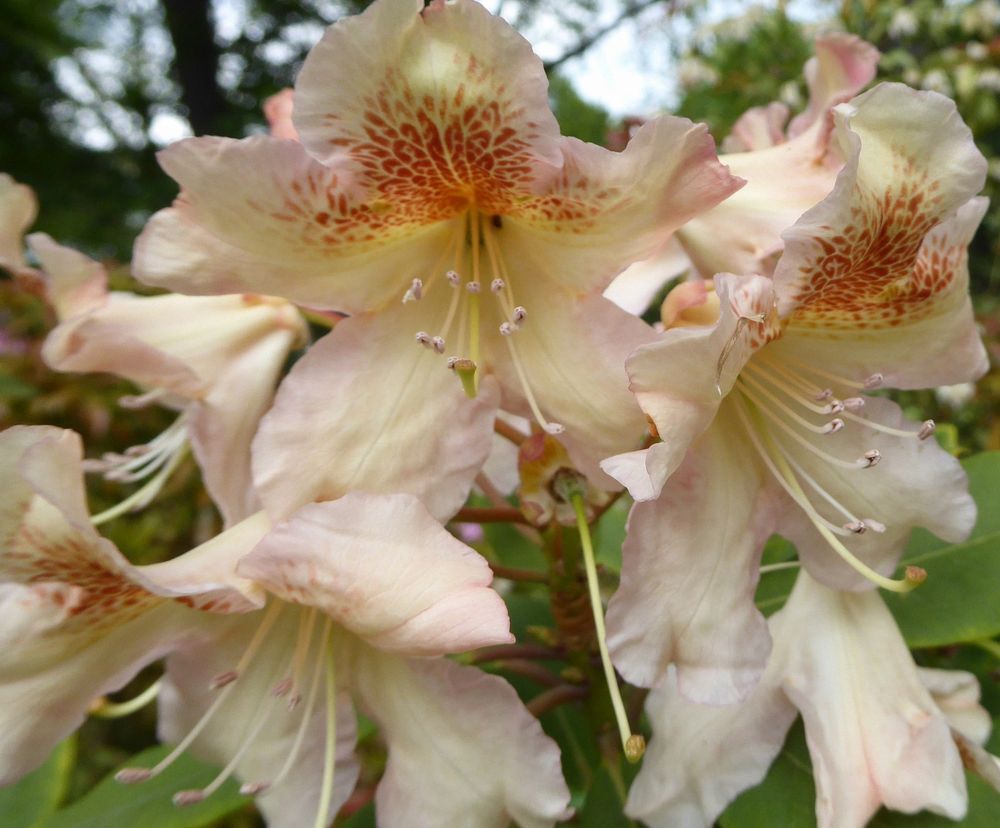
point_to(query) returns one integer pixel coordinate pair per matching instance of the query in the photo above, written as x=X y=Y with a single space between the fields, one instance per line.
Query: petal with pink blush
x=263 y=216
x=687 y=584
x=702 y=757
x=383 y=568
x=463 y=750
x=430 y=106
x=875 y=735
x=843 y=65
x=758 y=128
x=278 y=111
x=956 y=693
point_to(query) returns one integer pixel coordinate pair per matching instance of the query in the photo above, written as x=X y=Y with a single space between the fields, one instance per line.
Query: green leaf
x=605 y=802
x=148 y=804
x=787 y=790
x=955 y=604
x=37 y=795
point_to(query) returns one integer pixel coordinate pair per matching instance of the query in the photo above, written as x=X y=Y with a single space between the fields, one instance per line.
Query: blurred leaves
x=30 y=802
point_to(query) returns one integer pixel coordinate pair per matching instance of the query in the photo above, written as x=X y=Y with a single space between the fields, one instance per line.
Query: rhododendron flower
x=787 y=172
x=875 y=734
x=216 y=360
x=871 y=291
x=433 y=198
x=367 y=588
x=76 y=619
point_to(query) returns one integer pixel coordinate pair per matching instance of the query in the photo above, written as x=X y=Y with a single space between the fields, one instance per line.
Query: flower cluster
x=483 y=278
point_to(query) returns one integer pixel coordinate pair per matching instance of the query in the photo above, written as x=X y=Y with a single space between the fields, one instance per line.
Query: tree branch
x=586 y=41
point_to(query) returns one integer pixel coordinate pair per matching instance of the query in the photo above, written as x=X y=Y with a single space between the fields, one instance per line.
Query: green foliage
x=740 y=67
x=30 y=802
x=148 y=804
x=577 y=117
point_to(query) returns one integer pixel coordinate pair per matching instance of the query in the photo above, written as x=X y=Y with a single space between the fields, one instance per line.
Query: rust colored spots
x=882 y=267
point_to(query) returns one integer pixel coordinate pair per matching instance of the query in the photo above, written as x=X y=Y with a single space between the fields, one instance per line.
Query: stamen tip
x=874 y=525
x=223 y=679
x=254 y=788
x=874 y=381
x=182 y=798
x=635 y=747
x=871 y=458
x=282 y=688
x=858 y=527
x=854 y=403
x=835 y=425
x=915 y=576
x=129 y=776
x=554 y=428
x=926 y=430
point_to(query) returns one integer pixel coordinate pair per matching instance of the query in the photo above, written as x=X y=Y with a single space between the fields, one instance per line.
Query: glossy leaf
x=37 y=795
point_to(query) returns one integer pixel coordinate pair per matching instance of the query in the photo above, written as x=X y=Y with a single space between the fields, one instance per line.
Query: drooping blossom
x=366 y=591
x=76 y=619
x=871 y=291
x=216 y=360
x=787 y=172
x=432 y=198
x=875 y=735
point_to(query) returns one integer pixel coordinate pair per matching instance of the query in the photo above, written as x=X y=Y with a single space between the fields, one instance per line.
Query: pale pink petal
x=430 y=105
x=56 y=662
x=849 y=263
x=956 y=693
x=75 y=283
x=206 y=576
x=935 y=343
x=252 y=705
x=758 y=128
x=18 y=209
x=701 y=757
x=261 y=215
x=368 y=408
x=680 y=380
x=463 y=750
x=689 y=571
x=743 y=234
x=182 y=344
x=573 y=350
x=607 y=210
x=635 y=288
x=382 y=567
x=874 y=733
x=916 y=483
x=843 y=65
x=278 y=111
x=222 y=425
